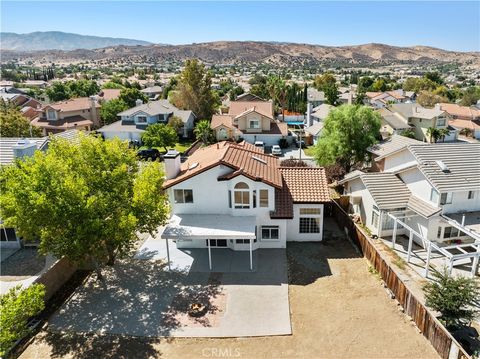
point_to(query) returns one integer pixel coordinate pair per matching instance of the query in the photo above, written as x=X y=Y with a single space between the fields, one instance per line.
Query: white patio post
x=380 y=219
x=251 y=259
x=394 y=234
x=410 y=242
x=429 y=252
x=168 y=254
x=209 y=255
x=450 y=266
x=475 y=262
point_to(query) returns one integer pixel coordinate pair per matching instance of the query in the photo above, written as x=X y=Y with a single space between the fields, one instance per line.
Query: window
x=264 y=198
x=446 y=198
x=254 y=124
x=216 y=242
x=242 y=241
x=141 y=119
x=309 y=225
x=471 y=194
x=434 y=196
x=270 y=232
x=441 y=121
x=317 y=211
x=51 y=115
x=450 y=232
x=241 y=195
x=183 y=195
x=375 y=219
x=8 y=235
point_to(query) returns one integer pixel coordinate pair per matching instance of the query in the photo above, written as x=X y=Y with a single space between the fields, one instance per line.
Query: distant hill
x=274 y=53
x=56 y=40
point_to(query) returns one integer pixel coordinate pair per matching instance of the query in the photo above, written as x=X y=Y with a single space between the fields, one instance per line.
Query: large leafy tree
x=14 y=124
x=203 y=132
x=194 y=90
x=131 y=95
x=348 y=132
x=324 y=81
x=429 y=99
x=331 y=94
x=110 y=110
x=16 y=307
x=160 y=135
x=454 y=297
x=60 y=91
x=85 y=201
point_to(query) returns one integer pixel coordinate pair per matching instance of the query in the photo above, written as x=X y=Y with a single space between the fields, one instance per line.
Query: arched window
x=241 y=195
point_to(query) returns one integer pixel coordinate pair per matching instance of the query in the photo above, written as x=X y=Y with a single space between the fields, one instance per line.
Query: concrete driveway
x=142 y=297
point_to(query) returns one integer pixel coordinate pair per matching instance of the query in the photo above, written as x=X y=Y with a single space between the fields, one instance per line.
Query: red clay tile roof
x=306 y=184
x=283 y=203
x=219 y=120
x=254 y=164
x=74 y=104
x=110 y=94
x=239 y=107
x=463 y=112
x=65 y=123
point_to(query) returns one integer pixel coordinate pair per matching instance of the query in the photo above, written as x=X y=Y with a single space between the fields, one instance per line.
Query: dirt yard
x=339 y=310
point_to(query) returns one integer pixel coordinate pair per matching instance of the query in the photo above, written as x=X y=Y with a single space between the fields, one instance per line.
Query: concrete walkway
x=141 y=297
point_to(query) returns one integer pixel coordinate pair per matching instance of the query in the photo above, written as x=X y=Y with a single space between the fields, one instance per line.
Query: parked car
x=260 y=144
x=276 y=150
x=151 y=154
x=300 y=144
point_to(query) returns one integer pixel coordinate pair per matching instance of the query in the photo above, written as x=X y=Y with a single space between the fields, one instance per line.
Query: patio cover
x=210 y=226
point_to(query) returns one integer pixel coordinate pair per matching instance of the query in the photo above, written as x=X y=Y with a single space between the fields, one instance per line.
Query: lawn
x=180 y=146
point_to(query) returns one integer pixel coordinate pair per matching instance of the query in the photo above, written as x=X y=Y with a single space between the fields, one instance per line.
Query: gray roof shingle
x=387 y=190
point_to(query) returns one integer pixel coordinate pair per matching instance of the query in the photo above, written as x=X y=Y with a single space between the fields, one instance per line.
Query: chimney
x=24 y=148
x=93 y=111
x=138 y=102
x=438 y=107
x=309 y=114
x=172 y=163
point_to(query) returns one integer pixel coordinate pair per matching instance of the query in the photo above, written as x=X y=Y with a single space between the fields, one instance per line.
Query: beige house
x=251 y=120
x=81 y=113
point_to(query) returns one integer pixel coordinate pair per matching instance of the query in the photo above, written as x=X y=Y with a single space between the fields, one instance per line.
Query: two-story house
x=434 y=189
x=403 y=116
x=135 y=120
x=230 y=195
x=81 y=113
x=463 y=117
x=384 y=99
x=251 y=120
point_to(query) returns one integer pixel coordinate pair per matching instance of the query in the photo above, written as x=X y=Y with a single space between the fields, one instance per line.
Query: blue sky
x=448 y=25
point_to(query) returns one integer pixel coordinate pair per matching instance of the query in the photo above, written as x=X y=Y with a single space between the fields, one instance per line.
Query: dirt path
x=339 y=310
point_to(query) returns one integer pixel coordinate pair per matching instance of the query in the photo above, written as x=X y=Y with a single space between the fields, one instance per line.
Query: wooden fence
x=443 y=342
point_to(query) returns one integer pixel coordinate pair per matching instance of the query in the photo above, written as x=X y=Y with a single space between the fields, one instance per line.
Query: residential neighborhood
x=288 y=191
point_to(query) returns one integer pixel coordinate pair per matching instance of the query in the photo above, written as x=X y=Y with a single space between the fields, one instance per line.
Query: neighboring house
x=81 y=113
x=257 y=203
x=12 y=149
x=314 y=131
x=153 y=92
x=320 y=113
x=249 y=98
x=315 y=97
x=251 y=120
x=434 y=189
x=29 y=107
x=463 y=117
x=383 y=99
x=109 y=94
x=135 y=120
x=402 y=116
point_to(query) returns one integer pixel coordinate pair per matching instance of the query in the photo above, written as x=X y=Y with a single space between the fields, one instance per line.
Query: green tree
x=160 y=135
x=176 y=122
x=16 y=307
x=454 y=298
x=112 y=85
x=429 y=99
x=433 y=134
x=110 y=110
x=340 y=141
x=58 y=91
x=203 y=132
x=435 y=77
x=379 y=85
x=443 y=132
x=365 y=84
x=324 y=81
x=85 y=201
x=194 y=90
x=410 y=133
x=470 y=96
x=14 y=124
x=331 y=94
x=131 y=95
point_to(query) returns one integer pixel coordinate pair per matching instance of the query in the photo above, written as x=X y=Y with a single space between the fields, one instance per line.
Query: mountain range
x=57 y=40
x=72 y=47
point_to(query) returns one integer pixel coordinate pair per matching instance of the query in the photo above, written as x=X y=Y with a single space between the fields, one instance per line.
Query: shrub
x=16 y=307
x=293 y=163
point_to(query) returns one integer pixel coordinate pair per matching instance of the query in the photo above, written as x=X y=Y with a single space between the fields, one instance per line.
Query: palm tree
x=443 y=132
x=434 y=134
x=203 y=131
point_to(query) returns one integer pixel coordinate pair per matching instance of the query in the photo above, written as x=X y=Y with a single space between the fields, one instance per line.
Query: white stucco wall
x=417 y=184
x=397 y=159
x=461 y=203
x=130 y=136
x=293 y=225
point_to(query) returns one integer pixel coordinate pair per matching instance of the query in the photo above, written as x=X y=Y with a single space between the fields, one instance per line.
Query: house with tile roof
x=82 y=113
x=135 y=120
x=434 y=189
x=234 y=196
x=463 y=117
x=399 y=117
x=383 y=99
x=249 y=120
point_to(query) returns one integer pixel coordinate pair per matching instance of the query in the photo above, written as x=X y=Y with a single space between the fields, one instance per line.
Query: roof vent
x=193 y=165
x=259 y=160
x=443 y=166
